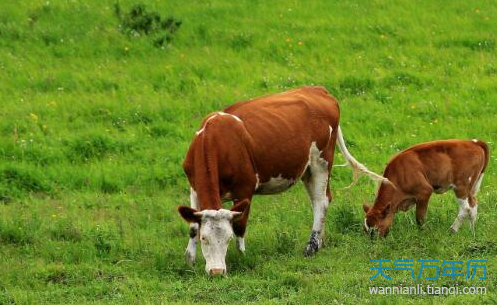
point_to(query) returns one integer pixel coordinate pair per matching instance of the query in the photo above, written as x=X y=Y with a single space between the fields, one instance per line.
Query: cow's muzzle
x=214 y=272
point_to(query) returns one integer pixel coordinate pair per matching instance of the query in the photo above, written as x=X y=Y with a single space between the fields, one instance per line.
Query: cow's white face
x=216 y=232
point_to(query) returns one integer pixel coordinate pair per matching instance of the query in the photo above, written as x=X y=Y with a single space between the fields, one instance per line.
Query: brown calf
x=418 y=171
x=261 y=146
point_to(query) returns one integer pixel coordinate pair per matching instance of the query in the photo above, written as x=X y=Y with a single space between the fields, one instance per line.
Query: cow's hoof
x=453 y=229
x=311 y=249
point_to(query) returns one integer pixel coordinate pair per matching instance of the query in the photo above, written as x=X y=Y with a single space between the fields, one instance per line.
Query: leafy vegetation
x=95 y=122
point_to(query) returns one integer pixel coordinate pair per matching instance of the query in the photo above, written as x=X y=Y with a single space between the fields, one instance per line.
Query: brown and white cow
x=415 y=173
x=260 y=146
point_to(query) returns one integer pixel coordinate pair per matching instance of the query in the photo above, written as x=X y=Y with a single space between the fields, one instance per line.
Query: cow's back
x=284 y=125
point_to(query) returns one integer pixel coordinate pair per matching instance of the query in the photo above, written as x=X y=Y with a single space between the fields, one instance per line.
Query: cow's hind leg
x=316 y=183
x=192 y=243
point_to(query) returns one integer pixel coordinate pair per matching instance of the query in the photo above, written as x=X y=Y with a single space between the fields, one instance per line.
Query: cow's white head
x=216 y=231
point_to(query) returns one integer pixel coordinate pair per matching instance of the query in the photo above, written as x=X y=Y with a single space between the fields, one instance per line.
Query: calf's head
x=377 y=221
x=216 y=231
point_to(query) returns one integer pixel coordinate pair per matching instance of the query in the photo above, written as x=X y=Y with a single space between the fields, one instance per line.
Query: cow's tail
x=357 y=167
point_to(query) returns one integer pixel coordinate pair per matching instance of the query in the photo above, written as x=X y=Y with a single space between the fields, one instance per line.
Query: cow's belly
x=274 y=186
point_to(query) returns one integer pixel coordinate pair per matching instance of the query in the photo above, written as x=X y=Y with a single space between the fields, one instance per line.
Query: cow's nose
x=217 y=272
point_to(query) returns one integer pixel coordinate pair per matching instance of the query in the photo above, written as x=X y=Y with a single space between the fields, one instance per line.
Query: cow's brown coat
x=272 y=139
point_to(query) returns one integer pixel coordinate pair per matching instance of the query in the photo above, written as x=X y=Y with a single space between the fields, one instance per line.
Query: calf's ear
x=365 y=207
x=239 y=209
x=189 y=214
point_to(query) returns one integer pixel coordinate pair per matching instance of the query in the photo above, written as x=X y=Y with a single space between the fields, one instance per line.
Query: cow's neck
x=207 y=176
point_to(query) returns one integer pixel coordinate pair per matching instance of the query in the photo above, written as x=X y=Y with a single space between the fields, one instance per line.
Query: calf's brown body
x=423 y=169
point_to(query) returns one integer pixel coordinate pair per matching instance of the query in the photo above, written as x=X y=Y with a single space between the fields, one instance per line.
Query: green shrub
x=139 y=22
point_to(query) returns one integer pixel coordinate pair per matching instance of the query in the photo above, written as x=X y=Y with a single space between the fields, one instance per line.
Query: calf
x=261 y=146
x=415 y=173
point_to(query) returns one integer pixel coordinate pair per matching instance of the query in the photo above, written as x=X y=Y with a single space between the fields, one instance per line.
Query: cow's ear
x=365 y=207
x=189 y=214
x=239 y=209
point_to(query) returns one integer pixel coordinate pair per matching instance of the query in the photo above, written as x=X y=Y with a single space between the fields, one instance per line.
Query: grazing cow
x=415 y=173
x=260 y=146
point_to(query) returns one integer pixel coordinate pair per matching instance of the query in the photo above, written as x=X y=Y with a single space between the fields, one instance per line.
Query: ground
x=96 y=118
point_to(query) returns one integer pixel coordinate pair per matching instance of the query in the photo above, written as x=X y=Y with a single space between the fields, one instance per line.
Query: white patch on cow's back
x=474 y=140
x=274 y=185
x=232 y=115
x=205 y=124
x=220 y=113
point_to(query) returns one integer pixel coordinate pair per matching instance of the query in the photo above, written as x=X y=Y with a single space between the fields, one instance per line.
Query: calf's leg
x=422 y=204
x=473 y=212
x=464 y=209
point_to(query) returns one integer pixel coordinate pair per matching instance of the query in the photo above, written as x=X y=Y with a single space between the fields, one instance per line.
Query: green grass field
x=95 y=123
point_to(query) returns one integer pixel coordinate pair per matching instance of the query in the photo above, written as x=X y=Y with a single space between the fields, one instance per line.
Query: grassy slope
x=94 y=126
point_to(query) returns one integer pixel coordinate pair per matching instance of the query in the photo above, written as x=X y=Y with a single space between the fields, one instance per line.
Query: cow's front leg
x=192 y=244
x=240 y=243
x=240 y=226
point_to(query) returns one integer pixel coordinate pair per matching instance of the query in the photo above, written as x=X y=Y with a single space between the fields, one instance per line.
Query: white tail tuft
x=357 y=167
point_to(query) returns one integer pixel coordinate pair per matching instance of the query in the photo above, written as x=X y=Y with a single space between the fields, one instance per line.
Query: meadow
x=97 y=110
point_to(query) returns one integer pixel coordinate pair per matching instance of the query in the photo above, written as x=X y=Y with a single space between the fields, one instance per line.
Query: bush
x=138 y=22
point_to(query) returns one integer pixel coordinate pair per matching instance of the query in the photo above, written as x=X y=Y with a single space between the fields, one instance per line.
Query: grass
x=95 y=121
